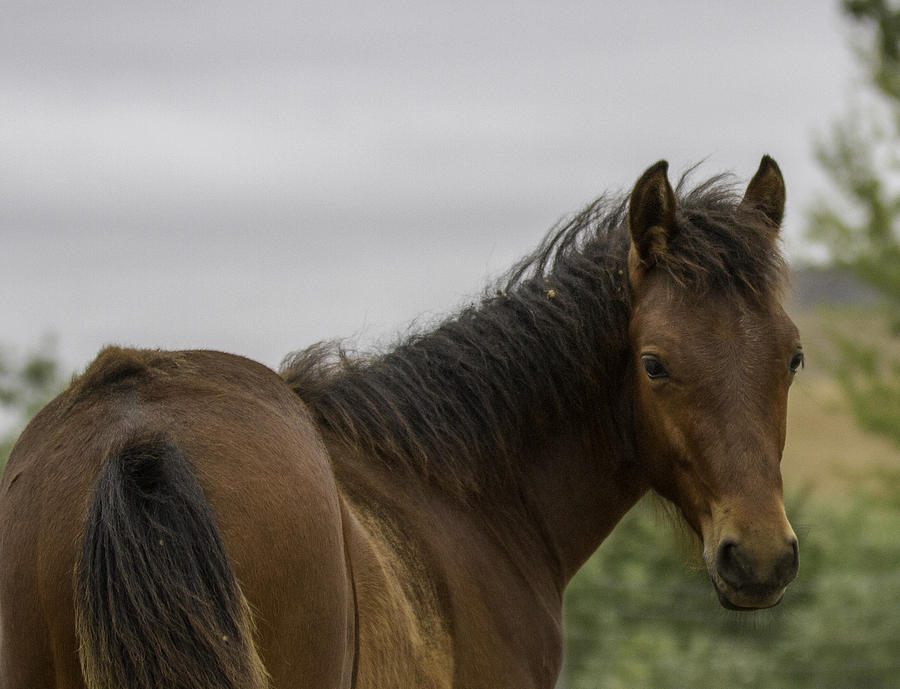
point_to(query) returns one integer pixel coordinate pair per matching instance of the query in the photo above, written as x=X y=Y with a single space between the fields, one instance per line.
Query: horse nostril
x=732 y=567
x=789 y=564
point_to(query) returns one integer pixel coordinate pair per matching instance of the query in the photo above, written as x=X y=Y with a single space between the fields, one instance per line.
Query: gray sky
x=254 y=177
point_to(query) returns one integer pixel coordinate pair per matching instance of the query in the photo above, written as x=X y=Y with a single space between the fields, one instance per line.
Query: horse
x=411 y=517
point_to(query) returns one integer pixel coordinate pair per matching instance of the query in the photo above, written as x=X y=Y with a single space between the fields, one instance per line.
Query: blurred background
x=257 y=177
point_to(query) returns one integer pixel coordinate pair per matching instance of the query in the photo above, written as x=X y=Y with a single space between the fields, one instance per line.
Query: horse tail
x=157 y=603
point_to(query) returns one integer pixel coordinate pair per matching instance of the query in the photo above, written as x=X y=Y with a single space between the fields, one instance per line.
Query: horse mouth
x=747 y=600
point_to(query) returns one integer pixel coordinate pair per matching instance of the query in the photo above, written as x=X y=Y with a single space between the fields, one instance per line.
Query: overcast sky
x=255 y=177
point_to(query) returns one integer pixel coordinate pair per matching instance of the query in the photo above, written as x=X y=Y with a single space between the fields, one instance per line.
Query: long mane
x=545 y=350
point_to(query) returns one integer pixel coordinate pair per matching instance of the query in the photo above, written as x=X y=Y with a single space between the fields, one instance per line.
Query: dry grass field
x=827 y=451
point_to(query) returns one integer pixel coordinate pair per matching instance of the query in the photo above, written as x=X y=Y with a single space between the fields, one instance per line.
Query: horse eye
x=653 y=368
x=797 y=362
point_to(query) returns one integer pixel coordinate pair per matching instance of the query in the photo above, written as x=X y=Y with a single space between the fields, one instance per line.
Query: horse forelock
x=721 y=246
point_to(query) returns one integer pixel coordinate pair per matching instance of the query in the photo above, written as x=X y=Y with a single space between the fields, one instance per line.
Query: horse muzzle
x=750 y=578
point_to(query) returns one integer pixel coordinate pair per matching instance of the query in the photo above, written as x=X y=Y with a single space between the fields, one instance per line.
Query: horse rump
x=157 y=602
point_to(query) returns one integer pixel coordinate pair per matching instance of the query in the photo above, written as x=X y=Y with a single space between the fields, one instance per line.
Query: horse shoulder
x=440 y=603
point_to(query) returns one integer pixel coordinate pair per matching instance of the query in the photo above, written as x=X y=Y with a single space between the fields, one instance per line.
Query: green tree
x=26 y=385
x=861 y=158
x=860 y=224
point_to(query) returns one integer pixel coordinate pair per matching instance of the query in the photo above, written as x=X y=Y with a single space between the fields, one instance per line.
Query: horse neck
x=576 y=488
x=577 y=474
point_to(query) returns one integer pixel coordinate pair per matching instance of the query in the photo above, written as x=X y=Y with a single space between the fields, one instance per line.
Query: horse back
x=262 y=470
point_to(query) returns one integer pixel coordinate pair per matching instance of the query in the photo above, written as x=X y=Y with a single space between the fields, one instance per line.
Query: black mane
x=545 y=348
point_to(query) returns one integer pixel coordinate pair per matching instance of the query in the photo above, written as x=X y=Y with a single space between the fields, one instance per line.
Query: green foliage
x=871 y=382
x=26 y=385
x=637 y=617
x=885 y=51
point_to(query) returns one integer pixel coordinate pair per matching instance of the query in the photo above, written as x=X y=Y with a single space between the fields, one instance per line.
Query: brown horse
x=411 y=519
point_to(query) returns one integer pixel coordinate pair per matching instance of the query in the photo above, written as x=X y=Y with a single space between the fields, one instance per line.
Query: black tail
x=157 y=603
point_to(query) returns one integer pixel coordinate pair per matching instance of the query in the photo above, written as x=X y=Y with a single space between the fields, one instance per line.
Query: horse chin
x=743 y=602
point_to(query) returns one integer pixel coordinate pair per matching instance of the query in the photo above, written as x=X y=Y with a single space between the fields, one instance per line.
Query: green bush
x=26 y=384
x=870 y=379
x=637 y=616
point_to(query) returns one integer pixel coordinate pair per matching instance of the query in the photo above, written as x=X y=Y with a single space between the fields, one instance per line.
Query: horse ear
x=651 y=213
x=766 y=192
